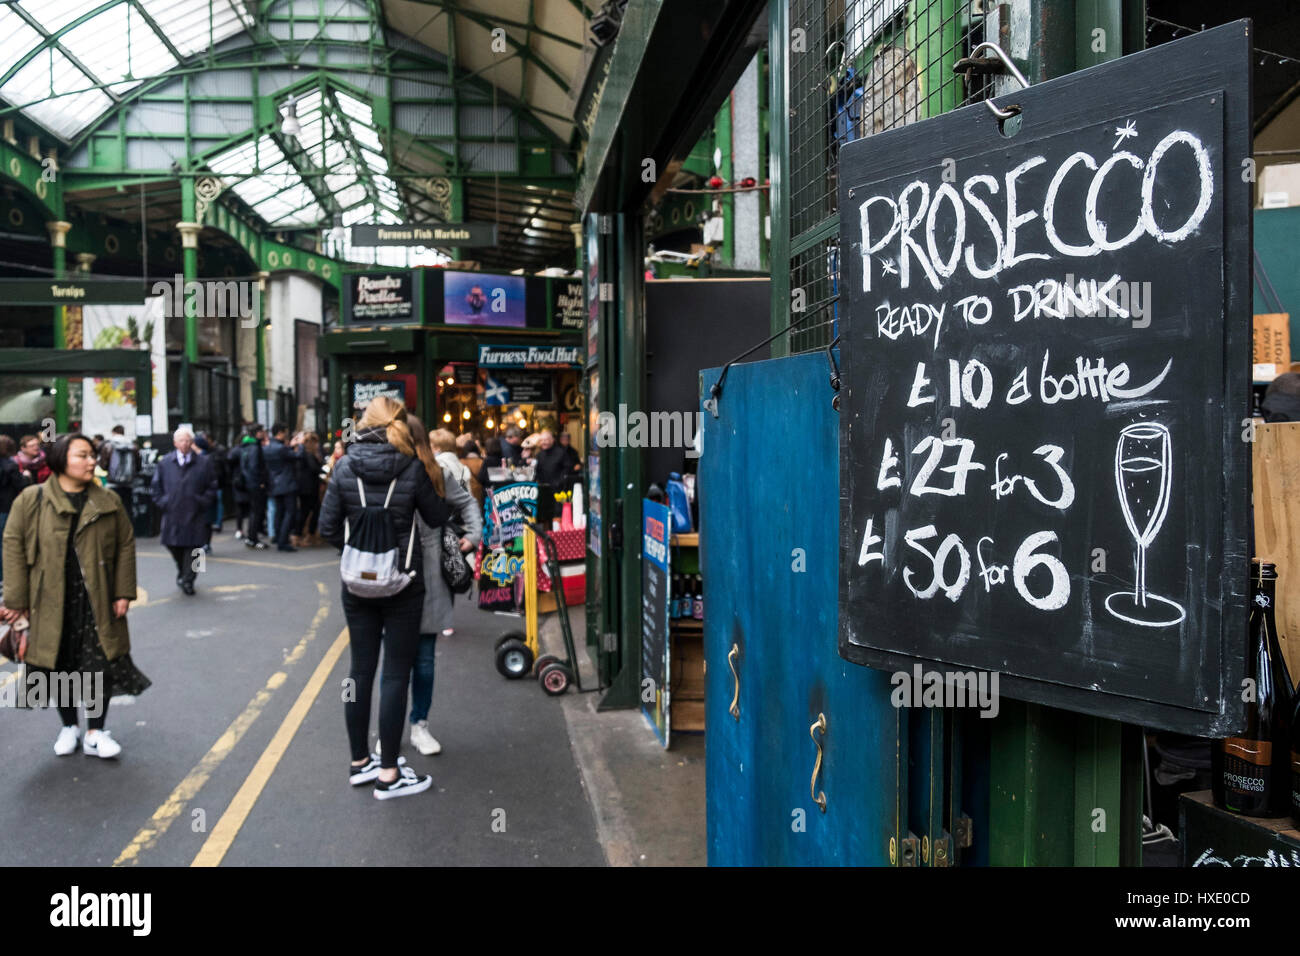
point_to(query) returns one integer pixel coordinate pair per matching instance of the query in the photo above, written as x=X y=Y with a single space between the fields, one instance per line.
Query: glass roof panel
x=17 y=33
x=51 y=74
x=56 y=16
x=359 y=214
x=102 y=46
x=192 y=26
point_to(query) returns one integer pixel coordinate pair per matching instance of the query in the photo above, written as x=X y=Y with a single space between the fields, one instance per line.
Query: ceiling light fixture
x=291 y=126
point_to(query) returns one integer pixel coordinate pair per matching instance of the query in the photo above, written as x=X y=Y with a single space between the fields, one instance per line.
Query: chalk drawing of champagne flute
x=1142 y=479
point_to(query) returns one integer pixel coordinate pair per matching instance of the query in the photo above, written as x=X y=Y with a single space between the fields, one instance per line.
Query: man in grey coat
x=184 y=487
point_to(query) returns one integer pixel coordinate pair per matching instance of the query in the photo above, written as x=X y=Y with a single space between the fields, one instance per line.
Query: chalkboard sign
x=1045 y=346
x=654 y=616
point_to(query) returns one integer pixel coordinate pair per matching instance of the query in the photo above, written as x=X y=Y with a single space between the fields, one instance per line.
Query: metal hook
x=1013 y=110
x=832 y=80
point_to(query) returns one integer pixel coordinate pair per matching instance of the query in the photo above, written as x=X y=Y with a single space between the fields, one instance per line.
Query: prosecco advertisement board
x=1044 y=425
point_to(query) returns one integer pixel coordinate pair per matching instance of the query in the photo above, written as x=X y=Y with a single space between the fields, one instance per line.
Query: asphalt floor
x=237 y=754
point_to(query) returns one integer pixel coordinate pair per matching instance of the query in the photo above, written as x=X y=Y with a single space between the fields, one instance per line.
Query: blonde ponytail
x=390 y=415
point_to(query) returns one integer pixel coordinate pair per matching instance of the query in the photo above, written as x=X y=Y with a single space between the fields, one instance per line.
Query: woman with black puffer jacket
x=381 y=469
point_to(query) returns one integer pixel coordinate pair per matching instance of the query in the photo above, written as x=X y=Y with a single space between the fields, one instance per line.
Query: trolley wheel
x=510 y=636
x=514 y=659
x=542 y=662
x=555 y=679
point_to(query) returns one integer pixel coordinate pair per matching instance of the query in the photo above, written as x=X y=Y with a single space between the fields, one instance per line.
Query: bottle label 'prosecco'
x=1245 y=764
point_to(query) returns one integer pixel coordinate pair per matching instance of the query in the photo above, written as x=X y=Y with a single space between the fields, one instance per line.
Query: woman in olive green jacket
x=69 y=556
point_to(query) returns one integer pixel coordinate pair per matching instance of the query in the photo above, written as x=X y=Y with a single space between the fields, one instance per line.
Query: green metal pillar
x=58 y=231
x=778 y=71
x=1066 y=789
x=727 y=170
x=259 y=342
x=189 y=230
x=628 y=465
x=456 y=209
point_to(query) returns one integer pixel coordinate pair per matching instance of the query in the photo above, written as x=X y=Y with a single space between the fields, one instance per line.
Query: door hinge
x=963 y=831
x=942 y=850
x=909 y=851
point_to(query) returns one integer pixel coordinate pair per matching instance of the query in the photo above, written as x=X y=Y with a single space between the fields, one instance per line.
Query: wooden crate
x=688 y=715
x=1276 y=479
x=1214 y=837
x=687 y=680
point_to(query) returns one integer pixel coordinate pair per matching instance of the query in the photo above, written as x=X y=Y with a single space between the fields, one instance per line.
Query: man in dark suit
x=184 y=488
x=282 y=468
x=252 y=469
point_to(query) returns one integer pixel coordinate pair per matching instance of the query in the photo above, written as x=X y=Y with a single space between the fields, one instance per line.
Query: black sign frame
x=454 y=235
x=1188 y=685
x=406 y=295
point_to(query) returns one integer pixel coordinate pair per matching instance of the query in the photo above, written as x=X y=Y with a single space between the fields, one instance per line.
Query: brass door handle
x=734 y=709
x=818 y=798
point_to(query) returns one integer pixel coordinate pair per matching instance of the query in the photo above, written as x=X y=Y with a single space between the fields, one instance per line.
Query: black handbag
x=455 y=568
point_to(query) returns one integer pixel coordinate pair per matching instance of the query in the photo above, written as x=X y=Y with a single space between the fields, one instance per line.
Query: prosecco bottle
x=1252 y=770
x=1295 y=764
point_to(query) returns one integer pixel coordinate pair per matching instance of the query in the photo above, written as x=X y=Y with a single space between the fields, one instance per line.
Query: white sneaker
x=100 y=743
x=66 y=742
x=424 y=741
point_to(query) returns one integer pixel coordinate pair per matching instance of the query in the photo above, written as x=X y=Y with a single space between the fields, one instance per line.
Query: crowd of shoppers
x=67 y=572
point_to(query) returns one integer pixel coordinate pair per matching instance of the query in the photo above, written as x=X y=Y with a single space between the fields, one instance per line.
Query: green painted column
x=1066 y=789
x=727 y=170
x=259 y=343
x=456 y=210
x=58 y=231
x=626 y=386
x=189 y=230
x=778 y=70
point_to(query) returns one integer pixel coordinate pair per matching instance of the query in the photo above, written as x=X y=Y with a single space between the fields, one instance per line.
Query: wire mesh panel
x=859 y=67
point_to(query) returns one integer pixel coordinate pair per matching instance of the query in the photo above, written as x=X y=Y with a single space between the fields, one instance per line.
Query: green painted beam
x=45 y=188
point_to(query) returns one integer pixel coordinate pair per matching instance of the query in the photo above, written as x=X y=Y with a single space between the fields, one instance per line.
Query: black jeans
x=308 y=505
x=184 y=558
x=285 y=506
x=69 y=716
x=393 y=624
x=256 y=514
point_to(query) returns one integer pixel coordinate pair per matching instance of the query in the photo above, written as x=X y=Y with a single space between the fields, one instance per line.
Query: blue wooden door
x=769 y=520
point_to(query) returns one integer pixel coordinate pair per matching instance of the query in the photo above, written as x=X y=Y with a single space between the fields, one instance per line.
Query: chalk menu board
x=1045 y=347
x=655 y=594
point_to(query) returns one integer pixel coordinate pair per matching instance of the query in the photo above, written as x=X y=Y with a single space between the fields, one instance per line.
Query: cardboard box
x=1279 y=185
x=1272 y=342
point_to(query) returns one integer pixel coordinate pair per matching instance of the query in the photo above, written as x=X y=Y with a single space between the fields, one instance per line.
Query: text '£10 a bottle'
x=1252 y=769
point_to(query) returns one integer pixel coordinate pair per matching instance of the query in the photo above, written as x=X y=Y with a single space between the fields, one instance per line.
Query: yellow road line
x=255 y=564
x=174 y=805
x=227 y=828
